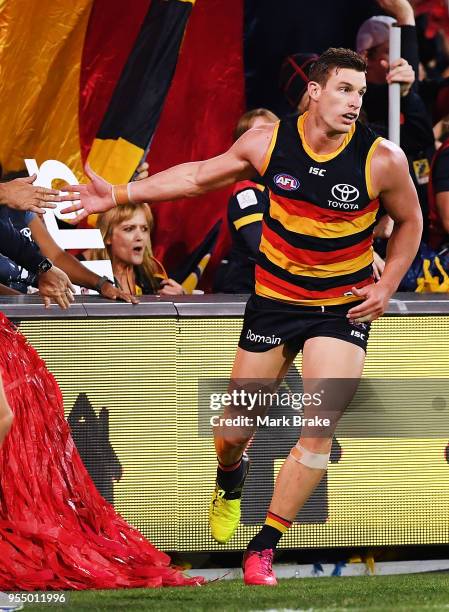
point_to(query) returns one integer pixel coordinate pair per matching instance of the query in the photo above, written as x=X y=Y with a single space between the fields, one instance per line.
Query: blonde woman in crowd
x=126 y=232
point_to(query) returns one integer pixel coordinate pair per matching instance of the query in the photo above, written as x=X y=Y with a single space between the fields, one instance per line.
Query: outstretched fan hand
x=94 y=197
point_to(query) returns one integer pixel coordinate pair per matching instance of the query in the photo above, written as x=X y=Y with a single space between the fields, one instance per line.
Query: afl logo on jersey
x=287 y=182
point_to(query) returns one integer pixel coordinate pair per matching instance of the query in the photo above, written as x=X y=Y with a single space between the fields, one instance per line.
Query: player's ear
x=314 y=90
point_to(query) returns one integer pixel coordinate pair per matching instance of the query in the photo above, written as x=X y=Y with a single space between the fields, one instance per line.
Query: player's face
x=340 y=100
x=128 y=240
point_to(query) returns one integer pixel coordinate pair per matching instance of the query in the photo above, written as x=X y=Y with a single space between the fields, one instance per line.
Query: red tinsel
x=56 y=531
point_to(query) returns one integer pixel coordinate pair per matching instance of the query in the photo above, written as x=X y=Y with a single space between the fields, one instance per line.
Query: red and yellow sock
x=277 y=522
x=270 y=534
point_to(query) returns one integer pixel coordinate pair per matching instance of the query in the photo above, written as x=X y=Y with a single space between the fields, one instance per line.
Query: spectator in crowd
x=19 y=278
x=31 y=227
x=245 y=211
x=126 y=232
x=416 y=127
x=52 y=282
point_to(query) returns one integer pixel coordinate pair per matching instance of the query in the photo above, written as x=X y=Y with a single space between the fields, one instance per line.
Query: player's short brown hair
x=335 y=58
x=244 y=123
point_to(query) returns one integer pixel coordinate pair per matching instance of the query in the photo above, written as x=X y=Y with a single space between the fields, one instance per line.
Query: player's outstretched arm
x=186 y=180
x=391 y=180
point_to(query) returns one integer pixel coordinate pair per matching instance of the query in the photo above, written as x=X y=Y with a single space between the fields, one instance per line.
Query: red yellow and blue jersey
x=317 y=231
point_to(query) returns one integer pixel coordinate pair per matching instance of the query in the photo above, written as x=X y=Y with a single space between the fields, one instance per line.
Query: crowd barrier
x=129 y=377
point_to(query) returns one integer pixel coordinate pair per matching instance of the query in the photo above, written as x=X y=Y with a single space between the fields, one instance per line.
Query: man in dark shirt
x=417 y=139
x=21 y=195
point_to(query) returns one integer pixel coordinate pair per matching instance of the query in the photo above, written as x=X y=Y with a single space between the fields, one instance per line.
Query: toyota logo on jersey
x=345 y=193
x=287 y=182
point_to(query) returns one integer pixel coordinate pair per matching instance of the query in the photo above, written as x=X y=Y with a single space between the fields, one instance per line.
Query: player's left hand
x=110 y=292
x=400 y=72
x=375 y=301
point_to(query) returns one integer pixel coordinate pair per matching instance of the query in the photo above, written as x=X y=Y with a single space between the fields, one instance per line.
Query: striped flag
x=190 y=272
x=134 y=110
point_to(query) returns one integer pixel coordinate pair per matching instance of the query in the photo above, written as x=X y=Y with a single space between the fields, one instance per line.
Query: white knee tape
x=317 y=461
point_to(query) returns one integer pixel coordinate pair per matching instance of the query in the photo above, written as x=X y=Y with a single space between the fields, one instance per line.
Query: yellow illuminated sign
x=130 y=392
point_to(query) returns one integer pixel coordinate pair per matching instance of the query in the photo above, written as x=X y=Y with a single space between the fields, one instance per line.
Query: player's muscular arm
x=195 y=178
x=391 y=178
x=186 y=180
x=391 y=181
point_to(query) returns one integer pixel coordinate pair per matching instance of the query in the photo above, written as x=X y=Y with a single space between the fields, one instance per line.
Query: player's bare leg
x=269 y=368
x=6 y=415
x=230 y=442
x=324 y=359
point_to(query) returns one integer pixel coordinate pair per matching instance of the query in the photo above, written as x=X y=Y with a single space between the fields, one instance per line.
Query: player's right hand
x=94 y=197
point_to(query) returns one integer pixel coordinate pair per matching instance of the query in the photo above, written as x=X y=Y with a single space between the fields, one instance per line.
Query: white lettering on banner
x=70 y=238
x=66 y=239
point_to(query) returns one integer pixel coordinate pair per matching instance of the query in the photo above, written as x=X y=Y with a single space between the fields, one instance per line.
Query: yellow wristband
x=120 y=194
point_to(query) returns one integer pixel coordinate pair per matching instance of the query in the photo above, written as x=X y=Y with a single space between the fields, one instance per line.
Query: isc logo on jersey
x=287 y=182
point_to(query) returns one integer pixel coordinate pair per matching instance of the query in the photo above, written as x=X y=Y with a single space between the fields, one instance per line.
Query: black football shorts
x=269 y=323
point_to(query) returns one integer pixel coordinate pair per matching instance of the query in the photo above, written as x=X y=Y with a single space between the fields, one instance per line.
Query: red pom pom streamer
x=56 y=531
